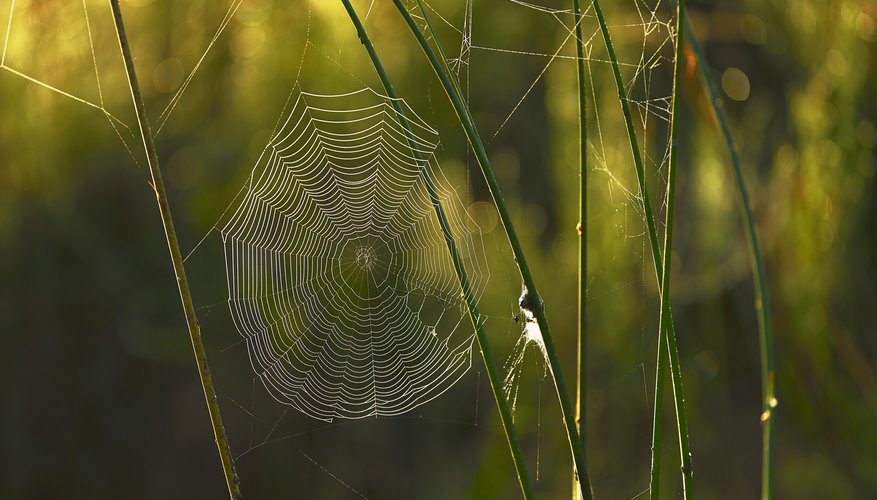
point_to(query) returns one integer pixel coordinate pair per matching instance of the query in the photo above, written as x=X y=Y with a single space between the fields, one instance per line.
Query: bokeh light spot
x=167 y=75
x=753 y=29
x=735 y=83
x=248 y=42
x=483 y=216
x=836 y=62
x=866 y=27
x=866 y=134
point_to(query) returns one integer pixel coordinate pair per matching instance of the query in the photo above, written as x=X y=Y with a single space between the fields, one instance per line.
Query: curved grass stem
x=665 y=329
x=441 y=68
x=581 y=393
x=222 y=444
x=666 y=333
x=762 y=296
x=475 y=316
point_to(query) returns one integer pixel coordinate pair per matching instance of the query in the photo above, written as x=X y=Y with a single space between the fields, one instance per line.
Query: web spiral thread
x=339 y=276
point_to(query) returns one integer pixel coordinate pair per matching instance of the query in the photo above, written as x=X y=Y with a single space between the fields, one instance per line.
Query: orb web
x=339 y=275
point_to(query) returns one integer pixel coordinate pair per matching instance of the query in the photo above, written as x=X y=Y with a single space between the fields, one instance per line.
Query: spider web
x=643 y=34
x=495 y=35
x=81 y=41
x=339 y=275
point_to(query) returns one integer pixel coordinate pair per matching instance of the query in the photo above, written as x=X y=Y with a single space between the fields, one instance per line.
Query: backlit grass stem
x=762 y=296
x=225 y=455
x=667 y=336
x=440 y=66
x=582 y=365
x=477 y=322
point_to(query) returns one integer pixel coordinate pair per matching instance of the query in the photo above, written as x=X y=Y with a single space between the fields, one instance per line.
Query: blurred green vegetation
x=101 y=397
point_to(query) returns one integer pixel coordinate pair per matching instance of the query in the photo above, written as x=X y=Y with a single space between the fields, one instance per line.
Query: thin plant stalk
x=679 y=403
x=475 y=316
x=762 y=296
x=222 y=444
x=581 y=393
x=664 y=331
x=649 y=215
x=534 y=301
x=658 y=418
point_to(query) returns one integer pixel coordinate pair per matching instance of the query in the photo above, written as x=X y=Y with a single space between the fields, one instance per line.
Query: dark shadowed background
x=100 y=396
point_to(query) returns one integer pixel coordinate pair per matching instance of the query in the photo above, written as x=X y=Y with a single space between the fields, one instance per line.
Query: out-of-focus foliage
x=101 y=398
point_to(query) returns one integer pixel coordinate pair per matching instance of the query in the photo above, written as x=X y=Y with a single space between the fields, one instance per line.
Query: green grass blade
x=762 y=296
x=665 y=329
x=468 y=124
x=581 y=393
x=667 y=319
x=475 y=316
x=649 y=215
x=231 y=478
x=477 y=323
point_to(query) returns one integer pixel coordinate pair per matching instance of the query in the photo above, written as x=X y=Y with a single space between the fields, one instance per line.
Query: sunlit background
x=101 y=397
